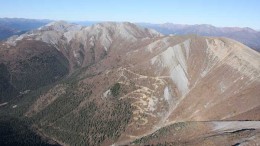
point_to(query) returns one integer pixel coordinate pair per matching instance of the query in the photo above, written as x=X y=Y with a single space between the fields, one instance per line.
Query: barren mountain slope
x=69 y=46
x=127 y=82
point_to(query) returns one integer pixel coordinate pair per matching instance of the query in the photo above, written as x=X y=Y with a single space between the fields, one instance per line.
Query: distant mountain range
x=16 y=26
x=247 y=36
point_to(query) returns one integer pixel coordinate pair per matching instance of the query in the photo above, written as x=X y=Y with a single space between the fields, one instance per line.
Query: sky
x=240 y=13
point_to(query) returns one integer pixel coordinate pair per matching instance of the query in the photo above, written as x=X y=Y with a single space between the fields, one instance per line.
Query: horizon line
x=144 y=22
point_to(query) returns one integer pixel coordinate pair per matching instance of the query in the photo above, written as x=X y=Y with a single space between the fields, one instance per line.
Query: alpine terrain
x=121 y=84
x=17 y=26
x=246 y=35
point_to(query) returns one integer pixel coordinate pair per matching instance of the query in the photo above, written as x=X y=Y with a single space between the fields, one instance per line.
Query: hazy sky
x=217 y=12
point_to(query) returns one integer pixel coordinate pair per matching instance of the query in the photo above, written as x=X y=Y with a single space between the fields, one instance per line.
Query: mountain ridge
x=245 y=35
